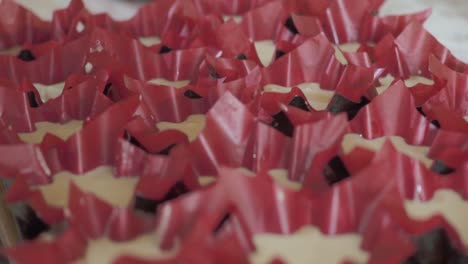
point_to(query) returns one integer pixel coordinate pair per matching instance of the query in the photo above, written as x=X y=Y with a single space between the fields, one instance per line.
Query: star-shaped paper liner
x=21 y=26
x=351 y=81
x=227 y=40
x=164 y=103
x=30 y=52
x=23 y=107
x=296 y=29
x=274 y=102
x=415 y=183
x=415 y=180
x=149 y=139
x=409 y=53
x=53 y=66
x=305 y=68
x=225 y=69
x=246 y=88
x=451 y=97
x=394 y=113
x=253 y=22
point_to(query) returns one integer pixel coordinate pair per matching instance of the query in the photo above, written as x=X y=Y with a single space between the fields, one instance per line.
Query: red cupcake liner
x=225 y=39
x=74 y=103
x=21 y=26
x=411 y=51
x=451 y=96
x=351 y=81
x=272 y=103
x=221 y=141
x=375 y=28
x=303 y=68
x=163 y=103
x=307 y=164
x=394 y=114
x=254 y=22
x=246 y=89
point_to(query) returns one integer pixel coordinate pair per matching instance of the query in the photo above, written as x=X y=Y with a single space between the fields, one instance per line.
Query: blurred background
x=447 y=22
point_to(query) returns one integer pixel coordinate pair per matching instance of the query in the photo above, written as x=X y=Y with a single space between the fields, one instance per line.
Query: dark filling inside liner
x=279 y=54
x=335 y=171
x=108 y=90
x=282 y=123
x=435 y=247
x=32 y=99
x=339 y=104
x=134 y=141
x=420 y=110
x=26 y=55
x=150 y=205
x=300 y=103
x=241 y=56
x=192 y=95
x=164 y=49
x=167 y=150
x=30 y=225
x=289 y=24
x=436 y=123
x=441 y=168
x=213 y=73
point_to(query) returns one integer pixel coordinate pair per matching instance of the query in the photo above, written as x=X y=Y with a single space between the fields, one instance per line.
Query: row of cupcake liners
x=98 y=43
x=418 y=185
x=249 y=211
x=390 y=129
x=303 y=159
x=267 y=71
x=68 y=21
x=220 y=62
x=247 y=143
x=152 y=19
